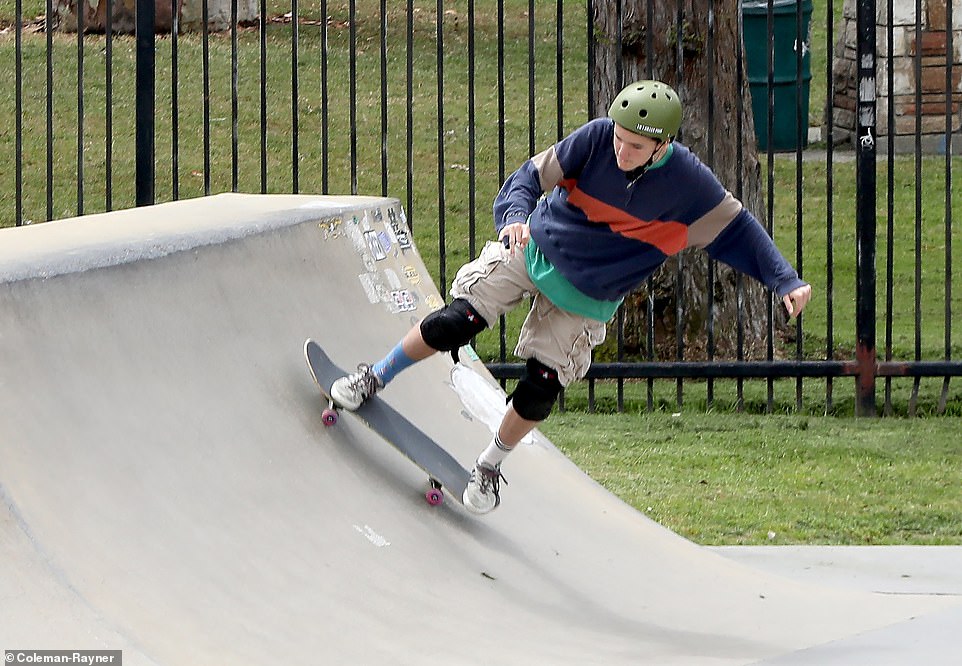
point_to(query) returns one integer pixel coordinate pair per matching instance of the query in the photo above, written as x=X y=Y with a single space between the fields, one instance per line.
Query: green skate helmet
x=649 y=108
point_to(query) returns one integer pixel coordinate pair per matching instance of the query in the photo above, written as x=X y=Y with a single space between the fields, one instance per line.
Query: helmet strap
x=635 y=174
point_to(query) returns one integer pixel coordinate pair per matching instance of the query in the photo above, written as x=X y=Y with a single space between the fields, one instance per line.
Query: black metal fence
x=436 y=103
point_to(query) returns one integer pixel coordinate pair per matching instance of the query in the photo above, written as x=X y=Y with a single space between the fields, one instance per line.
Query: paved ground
x=167 y=487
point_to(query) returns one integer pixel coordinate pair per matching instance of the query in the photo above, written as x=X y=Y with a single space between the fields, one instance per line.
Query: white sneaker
x=351 y=391
x=482 y=494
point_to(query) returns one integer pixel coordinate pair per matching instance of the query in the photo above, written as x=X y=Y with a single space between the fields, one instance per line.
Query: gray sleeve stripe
x=549 y=169
x=706 y=228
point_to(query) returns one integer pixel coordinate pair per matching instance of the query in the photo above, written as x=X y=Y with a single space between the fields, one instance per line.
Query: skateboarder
x=581 y=225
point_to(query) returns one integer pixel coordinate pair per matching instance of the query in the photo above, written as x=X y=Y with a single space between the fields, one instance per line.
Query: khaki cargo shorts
x=496 y=282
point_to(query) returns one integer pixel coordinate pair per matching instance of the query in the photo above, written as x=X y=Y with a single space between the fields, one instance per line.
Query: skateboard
x=442 y=469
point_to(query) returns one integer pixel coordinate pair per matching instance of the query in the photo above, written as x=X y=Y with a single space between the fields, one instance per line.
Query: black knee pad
x=452 y=326
x=535 y=394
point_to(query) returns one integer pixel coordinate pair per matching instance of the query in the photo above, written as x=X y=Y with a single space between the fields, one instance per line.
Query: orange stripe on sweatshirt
x=669 y=237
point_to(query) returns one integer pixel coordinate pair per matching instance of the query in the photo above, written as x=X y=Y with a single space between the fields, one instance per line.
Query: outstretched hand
x=796 y=300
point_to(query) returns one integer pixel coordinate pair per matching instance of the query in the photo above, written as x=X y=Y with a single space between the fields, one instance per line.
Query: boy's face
x=633 y=150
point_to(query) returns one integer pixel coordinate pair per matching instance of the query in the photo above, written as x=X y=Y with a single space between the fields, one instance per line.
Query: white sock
x=495 y=454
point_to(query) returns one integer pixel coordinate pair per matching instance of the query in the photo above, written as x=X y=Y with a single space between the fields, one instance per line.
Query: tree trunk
x=703 y=74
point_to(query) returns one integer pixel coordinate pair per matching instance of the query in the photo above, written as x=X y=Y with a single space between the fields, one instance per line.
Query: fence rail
x=435 y=103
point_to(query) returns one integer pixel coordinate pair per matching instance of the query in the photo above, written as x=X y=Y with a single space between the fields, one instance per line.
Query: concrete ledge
x=78 y=244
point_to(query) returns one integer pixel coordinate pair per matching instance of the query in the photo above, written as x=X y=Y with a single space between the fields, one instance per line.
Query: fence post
x=865 y=216
x=144 y=113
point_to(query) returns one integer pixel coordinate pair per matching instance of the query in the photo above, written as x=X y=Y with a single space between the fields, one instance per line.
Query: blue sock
x=389 y=366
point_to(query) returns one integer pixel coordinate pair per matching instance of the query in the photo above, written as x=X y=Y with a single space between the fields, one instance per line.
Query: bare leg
x=351 y=391
x=414 y=345
x=512 y=430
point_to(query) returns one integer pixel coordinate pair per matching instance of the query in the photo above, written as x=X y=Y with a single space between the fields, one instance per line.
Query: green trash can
x=785 y=124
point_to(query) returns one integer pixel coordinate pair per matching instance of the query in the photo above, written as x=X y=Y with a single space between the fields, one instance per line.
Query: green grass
x=720 y=477
x=815 y=396
x=729 y=479
x=712 y=475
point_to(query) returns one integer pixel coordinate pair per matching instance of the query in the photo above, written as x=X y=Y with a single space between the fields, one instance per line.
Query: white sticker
x=368 y=282
x=375 y=246
x=392 y=278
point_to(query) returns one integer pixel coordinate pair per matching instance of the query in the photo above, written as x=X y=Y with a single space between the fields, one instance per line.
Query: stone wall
x=218 y=13
x=905 y=47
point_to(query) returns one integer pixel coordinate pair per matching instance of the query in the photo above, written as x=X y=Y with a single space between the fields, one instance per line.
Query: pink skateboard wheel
x=329 y=416
x=434 y=496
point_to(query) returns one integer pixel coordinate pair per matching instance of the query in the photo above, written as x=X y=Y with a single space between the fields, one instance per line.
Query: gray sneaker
x=351 y=391
x=482 y=494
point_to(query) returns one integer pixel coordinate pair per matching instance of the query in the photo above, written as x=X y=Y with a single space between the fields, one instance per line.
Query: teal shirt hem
x=561 y=292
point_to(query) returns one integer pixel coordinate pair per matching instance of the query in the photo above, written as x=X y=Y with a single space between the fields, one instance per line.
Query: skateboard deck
x=440 y=466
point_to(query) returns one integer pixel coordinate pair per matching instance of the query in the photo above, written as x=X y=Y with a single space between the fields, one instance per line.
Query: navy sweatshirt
x=606 y=234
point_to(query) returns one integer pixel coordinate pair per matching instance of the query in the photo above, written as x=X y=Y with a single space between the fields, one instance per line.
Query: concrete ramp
x=167 y=487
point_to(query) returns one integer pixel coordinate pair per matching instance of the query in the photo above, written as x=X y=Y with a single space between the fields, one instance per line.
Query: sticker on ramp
x=331 y=227
x=412 y=275
x=374 y=246
x=372 y=286
x=403 y=301
x=393 y=280
x=399 y=228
